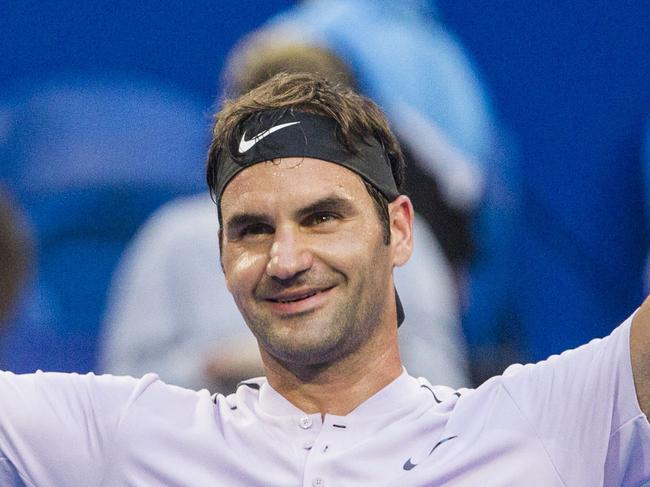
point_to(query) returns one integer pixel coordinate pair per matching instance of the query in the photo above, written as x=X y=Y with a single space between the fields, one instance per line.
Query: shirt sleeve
x=583 y=407
x=57 y=429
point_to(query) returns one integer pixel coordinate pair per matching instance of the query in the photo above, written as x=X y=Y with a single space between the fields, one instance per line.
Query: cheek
x=353 y=247
x=244 y=270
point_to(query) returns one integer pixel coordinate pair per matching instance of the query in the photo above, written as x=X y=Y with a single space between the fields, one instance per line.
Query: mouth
x=294 y=299
x=298 y=302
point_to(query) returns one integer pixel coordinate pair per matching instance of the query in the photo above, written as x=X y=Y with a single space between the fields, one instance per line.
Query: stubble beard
x=315 y=339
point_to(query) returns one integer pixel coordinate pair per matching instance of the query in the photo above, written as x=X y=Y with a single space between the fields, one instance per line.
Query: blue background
x=570 y=79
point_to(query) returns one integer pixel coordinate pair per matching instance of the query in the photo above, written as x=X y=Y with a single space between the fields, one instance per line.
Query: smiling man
x=307 y=178
x=305 y=257
x=311 y=231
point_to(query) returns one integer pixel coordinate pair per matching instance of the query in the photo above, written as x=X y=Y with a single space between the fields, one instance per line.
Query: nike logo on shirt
x=245 y=145
x=409 y=465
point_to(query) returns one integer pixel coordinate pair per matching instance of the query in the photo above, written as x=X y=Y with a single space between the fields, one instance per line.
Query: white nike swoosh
x=245 y=145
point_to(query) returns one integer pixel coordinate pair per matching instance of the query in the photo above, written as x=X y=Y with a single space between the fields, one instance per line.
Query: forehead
x=291 y=181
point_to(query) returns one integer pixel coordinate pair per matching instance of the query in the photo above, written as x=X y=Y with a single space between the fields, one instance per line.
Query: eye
x=255 y=229
x=320 y=218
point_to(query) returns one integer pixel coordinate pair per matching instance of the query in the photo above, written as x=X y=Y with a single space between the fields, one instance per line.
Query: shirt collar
x=396 y=395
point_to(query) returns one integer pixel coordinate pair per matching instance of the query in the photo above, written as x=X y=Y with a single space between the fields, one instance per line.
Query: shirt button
x=318 y=482
x=307 y=445
x=305 y=422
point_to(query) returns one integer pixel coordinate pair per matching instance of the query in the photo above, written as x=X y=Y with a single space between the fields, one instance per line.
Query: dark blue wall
x=572 y=80
x=181 y=42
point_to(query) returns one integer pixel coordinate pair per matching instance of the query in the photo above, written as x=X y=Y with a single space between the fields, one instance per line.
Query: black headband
x=282 y=133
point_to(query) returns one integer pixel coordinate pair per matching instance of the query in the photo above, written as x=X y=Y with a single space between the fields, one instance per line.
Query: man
x=307 y=180
x=172 y=314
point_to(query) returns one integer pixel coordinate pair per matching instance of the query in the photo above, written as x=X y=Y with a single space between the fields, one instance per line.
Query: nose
x=289 y=255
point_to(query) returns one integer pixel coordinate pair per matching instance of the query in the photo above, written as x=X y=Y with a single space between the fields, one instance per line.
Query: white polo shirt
x=572 y=420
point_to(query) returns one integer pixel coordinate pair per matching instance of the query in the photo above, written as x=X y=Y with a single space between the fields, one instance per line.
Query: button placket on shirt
x=309 y=427
x=305 y=422
x=332 y=435
x=308 y=435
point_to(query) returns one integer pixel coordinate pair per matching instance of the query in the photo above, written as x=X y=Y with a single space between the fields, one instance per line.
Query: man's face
x=303 y=256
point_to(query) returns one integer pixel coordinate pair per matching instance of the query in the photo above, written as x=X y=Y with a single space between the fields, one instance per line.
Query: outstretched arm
x=640 y=351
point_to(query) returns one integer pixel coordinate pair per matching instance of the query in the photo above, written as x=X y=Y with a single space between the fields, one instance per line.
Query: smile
x=295 y=299
x=298 y=302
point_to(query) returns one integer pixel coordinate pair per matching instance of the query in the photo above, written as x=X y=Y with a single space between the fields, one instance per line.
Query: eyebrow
x=244 y=219
x=328 y=203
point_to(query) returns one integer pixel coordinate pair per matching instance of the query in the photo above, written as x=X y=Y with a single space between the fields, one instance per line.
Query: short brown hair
x=357 y=117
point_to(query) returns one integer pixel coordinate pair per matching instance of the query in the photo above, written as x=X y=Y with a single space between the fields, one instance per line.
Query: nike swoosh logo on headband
x=245 y=145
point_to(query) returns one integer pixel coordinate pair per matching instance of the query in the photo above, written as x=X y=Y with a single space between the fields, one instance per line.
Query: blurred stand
x=89 y=158
x=463 y=174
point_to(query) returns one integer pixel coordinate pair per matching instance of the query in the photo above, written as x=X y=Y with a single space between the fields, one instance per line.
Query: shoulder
x=65 y=421
x=69 y=394
x=243 y=400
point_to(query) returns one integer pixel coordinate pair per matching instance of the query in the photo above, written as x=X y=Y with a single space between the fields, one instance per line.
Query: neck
x=339 y=387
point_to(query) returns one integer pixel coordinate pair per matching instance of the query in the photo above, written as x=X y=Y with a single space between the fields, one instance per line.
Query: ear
x=400 y=212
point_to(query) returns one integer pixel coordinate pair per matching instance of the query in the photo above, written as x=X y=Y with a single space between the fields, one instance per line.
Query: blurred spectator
x=169 y=309
x=89 y=158
x=172 y=313
x=417 y=72
x=423 y=144
x=15 y=256
x=462 y=171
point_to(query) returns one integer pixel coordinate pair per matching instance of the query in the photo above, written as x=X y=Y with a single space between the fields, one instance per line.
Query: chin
x=300 y=347
x=315 y=337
